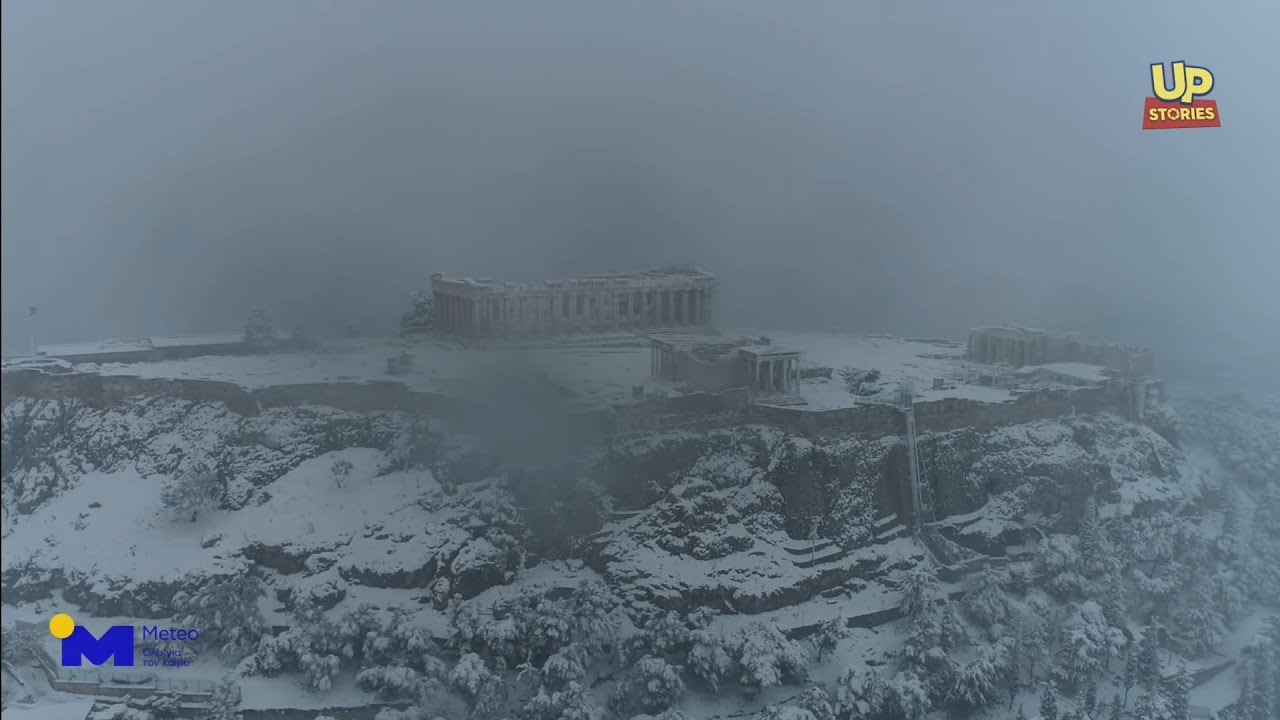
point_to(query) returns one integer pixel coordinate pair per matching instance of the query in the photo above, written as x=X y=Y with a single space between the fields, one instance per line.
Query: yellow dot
x=61 y=626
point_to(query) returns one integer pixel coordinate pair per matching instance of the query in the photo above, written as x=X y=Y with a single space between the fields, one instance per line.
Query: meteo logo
x=116 y=644
x=1176 y=102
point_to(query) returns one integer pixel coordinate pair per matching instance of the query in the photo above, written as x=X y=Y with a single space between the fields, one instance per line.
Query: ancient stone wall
x=694 y=409
x=947 y=414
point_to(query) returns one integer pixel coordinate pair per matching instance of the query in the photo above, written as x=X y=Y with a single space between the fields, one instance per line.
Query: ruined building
x=1020 y=347
x=710 y=364
x=670 y=297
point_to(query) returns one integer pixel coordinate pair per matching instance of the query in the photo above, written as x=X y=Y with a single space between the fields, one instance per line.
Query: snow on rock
x=83 y=503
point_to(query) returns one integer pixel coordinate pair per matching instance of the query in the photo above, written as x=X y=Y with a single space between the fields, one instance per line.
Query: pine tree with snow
x=653 y=686
x=482 y=689
x=1094 y=553
x=1178 y=695
x=988 y=603
x=1148 y=669
x=767 y=657
x=1130 y=677
x=1091 y=699
x=224 y=701
x=709 y=658
x=1117 y=708
x=920 y=592
x=1031 y=643
x=978 y=682
x=1049 y=701
x=1261 y=700
x=910 y=694
x=225 y=609
x=815 y=700
x=421 y=314
x=1151 y=705
x=951 y=631
x=1110 y=594
x=318 y=669
x=259 y=331
x=1244 y=707
x=573 y=703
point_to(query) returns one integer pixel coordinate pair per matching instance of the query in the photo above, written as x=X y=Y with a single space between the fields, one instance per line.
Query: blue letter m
x=115 y=643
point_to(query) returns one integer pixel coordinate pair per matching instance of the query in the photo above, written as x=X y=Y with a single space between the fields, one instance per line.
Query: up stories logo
x=1177 y=98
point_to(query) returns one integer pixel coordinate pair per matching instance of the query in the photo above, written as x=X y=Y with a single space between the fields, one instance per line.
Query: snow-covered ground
x=114 y=524
x=600 y=369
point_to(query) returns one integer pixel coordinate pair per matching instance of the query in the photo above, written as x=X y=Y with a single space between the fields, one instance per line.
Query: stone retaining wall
x=701 y=410
x=947 y=414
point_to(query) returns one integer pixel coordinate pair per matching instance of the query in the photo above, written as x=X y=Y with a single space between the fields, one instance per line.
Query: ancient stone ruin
x=671 y=297
x=1019 y=347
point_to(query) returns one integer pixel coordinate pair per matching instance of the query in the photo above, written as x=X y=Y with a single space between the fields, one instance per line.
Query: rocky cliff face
x=696 y=517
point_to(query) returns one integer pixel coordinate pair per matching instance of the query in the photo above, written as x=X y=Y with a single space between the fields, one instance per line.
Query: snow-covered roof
x=139 y=344
x=225 y=338
x=66 y=710
x=658 y=277
x=100 y=347
x=766 y=351
x=1081 y=371
x=1007 y=330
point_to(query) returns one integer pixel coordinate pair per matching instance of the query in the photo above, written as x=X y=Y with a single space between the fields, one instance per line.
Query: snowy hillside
x=338 y=559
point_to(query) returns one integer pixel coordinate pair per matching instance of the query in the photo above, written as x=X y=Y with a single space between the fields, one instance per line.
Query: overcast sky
x=874 y=166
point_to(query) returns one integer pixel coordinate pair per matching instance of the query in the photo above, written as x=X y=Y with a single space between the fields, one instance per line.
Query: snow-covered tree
x=224 y=702
x=193 y=491
x=1049 y=702
x=988 y=604
x=572 y=703
x=566 y=665
x=1151 y=705
x=1178 y=694
x=259 y=331
x=783 y=712
x=1057 y=564
x=389 y=681
x=1090 y=700
x=768 y=658
x=225 y=609
x=421 y=314
x=829 y=634
x=532 y=627
x=818 y=703
x=653 y=685
x=1089 y=643
x=319 y=669
x=910 y=695
x=1095 y=551
x=1032 y=641
x=979 y=682
x=920 y=592
x=709 y=658
x=341 y=470
x=483 y=689
x=1148 y=659
x=861 y=381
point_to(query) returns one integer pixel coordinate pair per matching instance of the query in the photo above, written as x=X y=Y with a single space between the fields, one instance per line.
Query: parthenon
x=669 y=297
